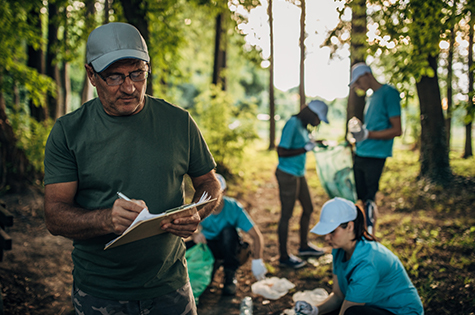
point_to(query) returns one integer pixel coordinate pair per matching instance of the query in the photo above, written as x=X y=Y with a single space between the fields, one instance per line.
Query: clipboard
x=150 y=226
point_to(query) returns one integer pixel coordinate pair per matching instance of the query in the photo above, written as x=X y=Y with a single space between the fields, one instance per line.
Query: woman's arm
x=334 y=300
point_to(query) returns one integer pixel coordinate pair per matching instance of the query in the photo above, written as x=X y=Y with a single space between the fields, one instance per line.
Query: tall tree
x=89 y=25
x=36 y=59
x=357 y=28
x=271 y=79
x=135 y=12
x=55 y=103
x=303 y=36
x=220 y=45
x=410 y=32
x=358 y=52
x=450 y=60
x=468 y=152
x=15 y=170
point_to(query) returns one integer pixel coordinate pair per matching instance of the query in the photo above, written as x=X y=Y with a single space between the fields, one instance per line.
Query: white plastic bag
x=313 y=297
x=272 y=288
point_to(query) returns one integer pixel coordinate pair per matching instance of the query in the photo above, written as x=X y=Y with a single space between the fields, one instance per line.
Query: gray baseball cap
x=114 y=41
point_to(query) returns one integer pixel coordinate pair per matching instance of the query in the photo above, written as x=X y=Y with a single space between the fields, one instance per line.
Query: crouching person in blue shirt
x=367 y=277
x=219 y=232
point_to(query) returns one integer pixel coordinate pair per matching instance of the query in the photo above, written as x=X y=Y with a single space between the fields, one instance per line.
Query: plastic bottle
x=354 y=125
x=246 y=306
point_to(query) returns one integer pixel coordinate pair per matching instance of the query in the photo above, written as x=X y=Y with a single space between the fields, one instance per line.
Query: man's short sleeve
x=60 y=165
x=201 y=160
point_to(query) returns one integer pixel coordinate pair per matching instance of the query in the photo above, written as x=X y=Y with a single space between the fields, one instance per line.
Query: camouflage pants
x=179 y=302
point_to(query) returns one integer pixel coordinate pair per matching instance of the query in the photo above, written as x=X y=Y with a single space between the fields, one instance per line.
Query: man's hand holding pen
x=124 y=211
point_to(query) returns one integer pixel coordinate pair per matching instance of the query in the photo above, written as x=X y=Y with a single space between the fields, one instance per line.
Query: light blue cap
x=334 y=212
x=112 y=42
x=221 y=180
x=358 y=70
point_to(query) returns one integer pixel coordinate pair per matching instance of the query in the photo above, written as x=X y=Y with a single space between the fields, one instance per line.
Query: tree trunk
x=220 y=52
x=434 y=153
x=356 y=104
x=66 y=88
x=36 y=61
x=450 y=59
x=303 y=100
x=135 y=12
x=468 y=126
x=55 y=103
x=271 y=80
x=87 y=88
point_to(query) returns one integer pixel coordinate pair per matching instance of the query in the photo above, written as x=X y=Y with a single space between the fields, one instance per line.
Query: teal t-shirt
x=382 y=105
x=294 y=136
x=375 y=276
x=145 y=156
x=232 y=214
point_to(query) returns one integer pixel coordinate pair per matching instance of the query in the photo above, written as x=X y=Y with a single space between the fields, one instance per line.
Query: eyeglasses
x=119 y=78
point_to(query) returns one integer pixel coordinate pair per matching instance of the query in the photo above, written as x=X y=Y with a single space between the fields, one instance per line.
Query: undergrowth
x=429 y=227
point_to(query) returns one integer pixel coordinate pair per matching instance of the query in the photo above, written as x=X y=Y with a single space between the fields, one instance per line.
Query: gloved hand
x=258 y=269
x=304 y=308
x=357 y=129
x=310 y=145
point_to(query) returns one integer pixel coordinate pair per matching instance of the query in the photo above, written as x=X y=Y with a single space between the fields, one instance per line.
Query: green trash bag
x=200 y=261
x=335 y=170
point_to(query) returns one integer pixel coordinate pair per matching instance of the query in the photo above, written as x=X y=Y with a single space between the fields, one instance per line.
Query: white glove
x=357 y=129
x=310 y=145
x=258 y=269
x=304 y=308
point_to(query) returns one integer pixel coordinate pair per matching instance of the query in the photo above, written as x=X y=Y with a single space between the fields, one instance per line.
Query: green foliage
x=227 y=129
x=31 y=137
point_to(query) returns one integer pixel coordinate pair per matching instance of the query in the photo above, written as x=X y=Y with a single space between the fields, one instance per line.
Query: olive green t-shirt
x=145 y=156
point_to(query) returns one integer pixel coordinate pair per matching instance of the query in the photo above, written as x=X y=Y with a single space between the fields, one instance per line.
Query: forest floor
x=36 y=274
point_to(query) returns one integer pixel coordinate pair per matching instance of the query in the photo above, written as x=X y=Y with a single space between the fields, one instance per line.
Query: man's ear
x=90 y=74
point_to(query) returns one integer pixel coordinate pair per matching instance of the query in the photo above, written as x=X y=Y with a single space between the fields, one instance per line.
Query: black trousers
x=363 y=310
x=367 y=174
x=225 y=248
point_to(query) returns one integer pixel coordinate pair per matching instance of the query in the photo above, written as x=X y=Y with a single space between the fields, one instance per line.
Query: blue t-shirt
x=294 y=136
x=382 y=105
x=232 y=214
x=376 y=277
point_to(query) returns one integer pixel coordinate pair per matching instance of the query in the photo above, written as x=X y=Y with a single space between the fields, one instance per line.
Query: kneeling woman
x=367 y=277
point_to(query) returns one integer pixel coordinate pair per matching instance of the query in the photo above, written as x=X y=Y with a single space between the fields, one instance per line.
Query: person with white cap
x=294 y=144
x=130 y=142
x=368 y=279
x=374 y=139
x=220 y=231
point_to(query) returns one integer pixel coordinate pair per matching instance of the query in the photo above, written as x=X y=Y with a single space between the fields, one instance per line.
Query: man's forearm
x=206 y=183
x=76 y=223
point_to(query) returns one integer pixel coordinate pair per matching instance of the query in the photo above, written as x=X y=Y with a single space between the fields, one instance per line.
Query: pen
x=122 y=196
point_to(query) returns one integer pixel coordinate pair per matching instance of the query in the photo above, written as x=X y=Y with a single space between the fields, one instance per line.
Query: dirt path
x=36 y=274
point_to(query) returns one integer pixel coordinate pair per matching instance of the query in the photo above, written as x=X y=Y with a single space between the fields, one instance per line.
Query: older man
x=125 y=141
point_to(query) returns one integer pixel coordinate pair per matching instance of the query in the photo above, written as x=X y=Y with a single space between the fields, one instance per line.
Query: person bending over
x=220 y=231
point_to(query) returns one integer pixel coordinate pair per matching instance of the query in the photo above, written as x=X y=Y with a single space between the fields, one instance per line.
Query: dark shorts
x=367 y=174
x=179 y=302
